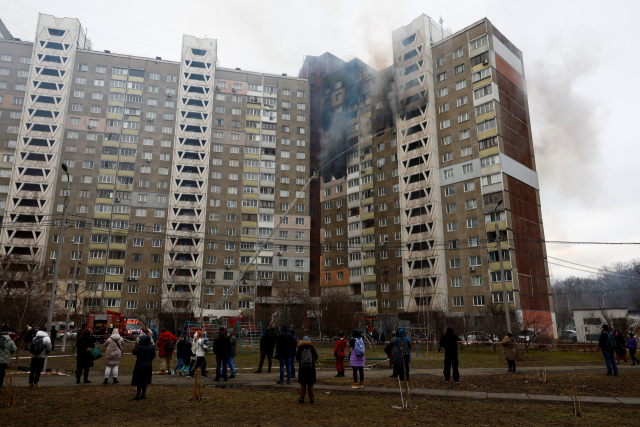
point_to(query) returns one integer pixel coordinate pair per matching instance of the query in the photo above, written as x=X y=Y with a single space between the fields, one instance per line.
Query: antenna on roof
x=441 y=27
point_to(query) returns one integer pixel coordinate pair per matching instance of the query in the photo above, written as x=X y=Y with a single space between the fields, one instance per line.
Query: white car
x=482 y=337
x=71 y=335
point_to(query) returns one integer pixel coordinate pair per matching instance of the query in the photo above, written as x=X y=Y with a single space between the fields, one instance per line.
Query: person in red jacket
x=166 y=343
x=338 y=353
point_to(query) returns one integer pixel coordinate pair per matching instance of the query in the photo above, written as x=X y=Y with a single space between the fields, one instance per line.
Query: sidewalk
x=251 y=379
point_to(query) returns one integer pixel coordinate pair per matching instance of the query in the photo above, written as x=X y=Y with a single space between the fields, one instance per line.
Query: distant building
x=589 y=321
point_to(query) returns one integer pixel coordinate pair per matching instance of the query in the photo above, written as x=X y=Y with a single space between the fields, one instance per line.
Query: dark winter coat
x=284 y=343
x=232 y=340
x=449 y=342
x=306 y=375
x=162 y=340
x=145 y=353
x=294 y=346
x=84 y=357
x=602 y=340
x=268 y=342
x=400 y=337
x=222 y=346
x=621 y=343
x=390 y=350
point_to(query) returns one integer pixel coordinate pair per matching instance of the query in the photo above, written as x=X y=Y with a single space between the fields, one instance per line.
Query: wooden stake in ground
x=195 y=389
x=576 y=402
x=9 y=400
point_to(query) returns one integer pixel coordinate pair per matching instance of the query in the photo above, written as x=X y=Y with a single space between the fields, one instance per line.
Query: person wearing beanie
x=232 y=354
x=449 y=342
x=7 y=348
x=357 y=358
x=306 y=355
x=403 y=356
x=338 y=353
x=510 y=353
x=632 y=345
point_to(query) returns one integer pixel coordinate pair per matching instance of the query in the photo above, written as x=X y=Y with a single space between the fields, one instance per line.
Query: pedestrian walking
x=7 y=348
x=166 y=345
x=145 y=352
x=449 y=342
x=403 y=357
x=222 y=350
x=84 y=361
x=607 y=343
x=357 y=358
x=632 y=345
x=154 y=333
x=339 y=354
x=284 y=343
x=199 y=349
x=53 y=333
x=232 y=354
x=180 y=354
x=294 y=348
x=621 y=347
x=509 y=349
x=267 y=345
x=306 y=356
x=147 y=332
x=113 y=355
x=392 y=354
x=39 y=347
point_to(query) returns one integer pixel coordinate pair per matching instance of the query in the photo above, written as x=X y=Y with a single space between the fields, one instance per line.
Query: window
x=476 y=281
x=451 y=208
x=491 y=179
x=442 y=77
x=461 y=85
x=479 y=42
x=450 y=191
x=464 y=134
x=495 y=217
x=468 y=168
x=478 y=301
x=466 y=151
x=458 y=301
x=483 y=91
x=452 y=226
x=445 y=140
x=471 y=204
x=444 y=124
x=443 y=108
x=463 y=117
x=475 y=261
x=447 y=157
x=490 y=161
x=456 y=282
x=448 y=173
x=443 y=92
x=469 y=186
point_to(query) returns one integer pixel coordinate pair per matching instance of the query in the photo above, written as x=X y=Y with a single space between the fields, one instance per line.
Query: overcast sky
x=580 y=58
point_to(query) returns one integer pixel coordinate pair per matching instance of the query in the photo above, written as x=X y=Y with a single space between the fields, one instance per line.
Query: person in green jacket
x=7 y=348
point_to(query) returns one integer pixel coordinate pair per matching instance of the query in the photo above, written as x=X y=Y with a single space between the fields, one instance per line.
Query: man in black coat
x=284 y=344
x=222 y=350
x=608 y=351
x=267 y=344
x=449 y=342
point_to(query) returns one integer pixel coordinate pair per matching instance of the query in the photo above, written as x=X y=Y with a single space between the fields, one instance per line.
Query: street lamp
x=73 y=286
x=56 y=271
x=504 y=287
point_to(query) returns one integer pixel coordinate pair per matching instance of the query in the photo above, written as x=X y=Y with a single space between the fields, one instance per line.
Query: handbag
x=119 y=348
x=96 y=353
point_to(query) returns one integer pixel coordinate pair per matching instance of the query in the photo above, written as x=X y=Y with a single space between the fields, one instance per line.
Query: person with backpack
x=84 y=361
x=306 y=356
x=449 y=342
x=199 y=348
x=7 y=348
x=392 y=354
x=113 y=355
x=222 y=350
x=145 y=352
x=621 y=347
x=166 y=344
x=357 y=358
x=284 y=343
x=403 y=357
x=294 y=348
x=267 y=344
x=607 y=344
x=339 y=354
x=232 y=354
x=510 y=352
x=632 y=345
x=39 y=347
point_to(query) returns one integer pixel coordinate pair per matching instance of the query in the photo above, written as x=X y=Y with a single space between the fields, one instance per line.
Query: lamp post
x=73 y=287
x=56 y=271
x=504 y=287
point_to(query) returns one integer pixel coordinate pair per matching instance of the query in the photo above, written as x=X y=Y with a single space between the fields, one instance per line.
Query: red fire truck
x=99 y=324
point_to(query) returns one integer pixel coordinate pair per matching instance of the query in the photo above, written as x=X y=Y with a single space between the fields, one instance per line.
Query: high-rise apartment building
x=178 y=171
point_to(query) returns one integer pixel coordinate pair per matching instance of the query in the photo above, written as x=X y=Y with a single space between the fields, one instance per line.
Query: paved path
x=251 y=379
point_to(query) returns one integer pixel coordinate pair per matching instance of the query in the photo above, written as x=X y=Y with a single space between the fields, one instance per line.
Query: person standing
x=166 y=344
x=180 y=355
x=232 y=353
x=338 y=353
x=7 y=348
x=39 y=347
x=147 y=332
x=632 y=345
x=27 y=335
x=621 y=347
x=267 y=344
x=145 y=352
x=199 y=348
x=607 y=344
x=84 y=361
x=154 y=333
x=306 y=356
x=113 y=355
x=222 y=349
x=284 y=343
x=510 y=352
x=294 y=348
x=449 y=342
x=53 y=334
x=403 y=357
x=392 y=354
x=357 y=358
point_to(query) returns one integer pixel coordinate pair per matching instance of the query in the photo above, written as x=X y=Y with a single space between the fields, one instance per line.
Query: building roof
x=4 y=32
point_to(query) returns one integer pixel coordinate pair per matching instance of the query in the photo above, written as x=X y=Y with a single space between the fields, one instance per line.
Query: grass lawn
x=166 y=405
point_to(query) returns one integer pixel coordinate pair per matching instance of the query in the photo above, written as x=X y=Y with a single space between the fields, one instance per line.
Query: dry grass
x=112 y=406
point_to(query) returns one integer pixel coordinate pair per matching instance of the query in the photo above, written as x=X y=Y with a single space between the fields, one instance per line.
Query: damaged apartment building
x=178 y=171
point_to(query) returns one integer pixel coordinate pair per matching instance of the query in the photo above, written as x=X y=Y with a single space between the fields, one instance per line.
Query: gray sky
x=578 y=56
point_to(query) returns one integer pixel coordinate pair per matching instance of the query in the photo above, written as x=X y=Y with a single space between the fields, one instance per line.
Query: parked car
x=526 y=336
x=483 y=337
x=569 y=335
x=71 y=335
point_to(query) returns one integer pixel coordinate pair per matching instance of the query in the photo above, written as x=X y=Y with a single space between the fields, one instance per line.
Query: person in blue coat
x=154 y=334
x=403 y=357
x=142 y=372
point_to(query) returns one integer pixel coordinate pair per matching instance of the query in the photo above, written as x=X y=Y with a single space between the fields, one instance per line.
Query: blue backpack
x=359 y=347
